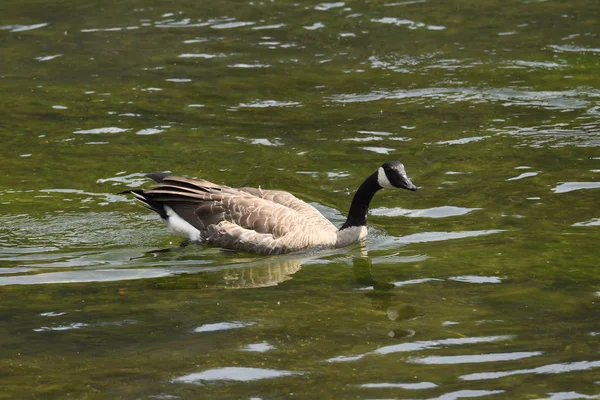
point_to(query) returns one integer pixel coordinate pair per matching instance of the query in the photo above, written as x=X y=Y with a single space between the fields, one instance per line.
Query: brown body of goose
x=260 y=221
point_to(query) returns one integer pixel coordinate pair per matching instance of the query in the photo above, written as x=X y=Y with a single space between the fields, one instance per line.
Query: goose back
x=249 y=219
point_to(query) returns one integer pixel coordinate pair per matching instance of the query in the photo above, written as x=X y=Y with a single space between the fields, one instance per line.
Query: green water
x=484 y=283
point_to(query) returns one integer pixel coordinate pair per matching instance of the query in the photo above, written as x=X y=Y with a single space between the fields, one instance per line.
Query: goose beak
x=407 y=184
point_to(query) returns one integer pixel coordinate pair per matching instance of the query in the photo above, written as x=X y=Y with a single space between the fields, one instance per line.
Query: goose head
x=393 y=175
x=390 y=175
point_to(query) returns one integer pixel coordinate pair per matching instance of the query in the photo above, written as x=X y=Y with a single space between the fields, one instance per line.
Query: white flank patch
x=178 y=225
x=382 y=179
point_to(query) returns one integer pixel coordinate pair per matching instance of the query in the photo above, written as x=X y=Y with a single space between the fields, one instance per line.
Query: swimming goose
x=257 y=220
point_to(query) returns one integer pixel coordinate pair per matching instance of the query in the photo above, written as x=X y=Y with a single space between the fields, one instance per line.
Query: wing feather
x=290 y=201
x=229 y=235
x=255 y=220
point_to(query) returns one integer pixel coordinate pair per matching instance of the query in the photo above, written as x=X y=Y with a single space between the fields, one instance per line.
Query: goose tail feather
x=158 y=177
x=145 y=201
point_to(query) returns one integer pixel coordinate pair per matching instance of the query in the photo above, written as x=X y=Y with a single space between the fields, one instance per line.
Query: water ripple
x=52 y=314
x=408 y=23
x=255 y=65
x=201 y=55
x=462 y=278
x=378 y=150
x=149 y=131
x=474 y=358
x=408 y=282
x=423 y=345
x=363 y=139
x=222 y=326
x=463 y=140
x=263 y=27
x=574 y=49
x=112 y=29
x=231 y=25
x=315 y=26
x=99 y=275
x=132 y=180
x=184 y=23
x=476 y=279
x=537 y=64
x=239 y=374
x=262 y=141
x=75 y=325
x=437 y=236
x=197 y=40
x=404 y=3
x=270 y=103
x=79 y=325
x=571 y=186
x=546 y=369
x=23 y=28
x=48 y=58
x=461 y=394
x=434 y=212
x=329 y=6
x=556 y=135
x=571 y=396
x=105 y=197
x=258 y=347
x=408 y=386
x=522 y=176
x=110 y=129
x=551 y=100
x=178 y=80
x=592 y=222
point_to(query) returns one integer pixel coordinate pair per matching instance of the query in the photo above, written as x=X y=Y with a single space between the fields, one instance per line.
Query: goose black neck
x=357 y=216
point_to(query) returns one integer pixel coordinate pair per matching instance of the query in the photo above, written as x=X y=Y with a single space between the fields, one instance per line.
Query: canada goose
x=260 y=221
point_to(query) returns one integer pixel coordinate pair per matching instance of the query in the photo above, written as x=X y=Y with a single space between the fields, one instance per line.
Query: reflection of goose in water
x=240 y=275
x=261 y=275
x=261 y=221
x=273 y=271
x=247 y=273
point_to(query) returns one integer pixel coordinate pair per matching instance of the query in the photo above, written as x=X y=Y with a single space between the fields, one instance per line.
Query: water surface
x=484 y=283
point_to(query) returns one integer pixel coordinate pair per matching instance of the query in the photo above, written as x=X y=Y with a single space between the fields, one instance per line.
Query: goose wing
x=290 y=201
x=268 y=223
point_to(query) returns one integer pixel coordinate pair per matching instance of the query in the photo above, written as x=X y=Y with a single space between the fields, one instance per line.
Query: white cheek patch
x=178 y=225
x=382 y=179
